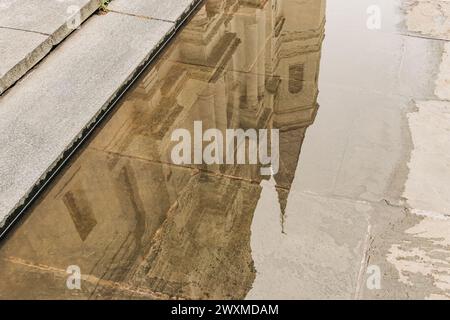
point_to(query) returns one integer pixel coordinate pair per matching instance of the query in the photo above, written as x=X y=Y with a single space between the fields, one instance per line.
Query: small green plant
x=104 y=5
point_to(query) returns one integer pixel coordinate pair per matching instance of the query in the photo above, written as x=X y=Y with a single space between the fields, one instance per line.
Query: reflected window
x=296 y=74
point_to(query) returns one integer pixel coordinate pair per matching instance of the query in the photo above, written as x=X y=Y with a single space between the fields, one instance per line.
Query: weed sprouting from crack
x=104 y=5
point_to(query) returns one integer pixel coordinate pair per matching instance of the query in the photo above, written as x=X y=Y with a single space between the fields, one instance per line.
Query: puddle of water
x=139 y=226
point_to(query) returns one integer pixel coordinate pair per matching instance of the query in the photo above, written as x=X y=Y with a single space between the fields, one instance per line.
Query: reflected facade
x=141 y=227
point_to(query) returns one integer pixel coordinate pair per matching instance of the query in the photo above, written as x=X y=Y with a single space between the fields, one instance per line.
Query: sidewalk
x=30 y=28
x=45 y=114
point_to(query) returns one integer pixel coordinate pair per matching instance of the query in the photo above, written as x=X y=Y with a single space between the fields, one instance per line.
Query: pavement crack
x=364 y=261
x=110 y=284
x=390 y=204
x=139 y=16
x=419 y=36
x=24 y=30
x=195 y=170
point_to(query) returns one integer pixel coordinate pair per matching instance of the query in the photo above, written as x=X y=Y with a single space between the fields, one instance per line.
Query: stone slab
x=44 y=16
x=29 y=29
x=19 y=51
x=44 y=114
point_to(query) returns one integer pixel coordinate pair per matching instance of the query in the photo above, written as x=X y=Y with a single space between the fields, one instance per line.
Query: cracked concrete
x=154 y=9
x=414 y=251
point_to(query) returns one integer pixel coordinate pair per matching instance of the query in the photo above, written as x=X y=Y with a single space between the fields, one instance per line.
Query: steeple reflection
x=136 y=224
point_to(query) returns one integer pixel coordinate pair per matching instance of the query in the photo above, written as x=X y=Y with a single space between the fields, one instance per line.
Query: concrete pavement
x=368 y=211
x=45 y=114
x=30 y=28
x=420 y=253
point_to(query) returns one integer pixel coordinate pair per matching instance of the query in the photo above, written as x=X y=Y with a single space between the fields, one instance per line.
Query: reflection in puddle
x=139 y=226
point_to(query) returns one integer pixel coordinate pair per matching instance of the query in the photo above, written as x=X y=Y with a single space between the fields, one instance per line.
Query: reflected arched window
x=296 y=74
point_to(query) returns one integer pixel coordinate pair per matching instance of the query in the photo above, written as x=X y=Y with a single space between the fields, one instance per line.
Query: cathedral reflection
x=142 y=227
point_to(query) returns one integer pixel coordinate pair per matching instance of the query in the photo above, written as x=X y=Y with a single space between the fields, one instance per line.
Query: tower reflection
x=139 y=226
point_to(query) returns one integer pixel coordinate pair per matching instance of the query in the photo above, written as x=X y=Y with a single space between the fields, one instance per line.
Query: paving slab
x=44 y=16
x=320 y=252
x=19 y=52
x=28 y=30
x=44 y=114
x=155 y=9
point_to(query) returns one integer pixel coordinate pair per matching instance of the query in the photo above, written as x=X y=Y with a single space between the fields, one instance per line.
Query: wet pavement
x=344 y=202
